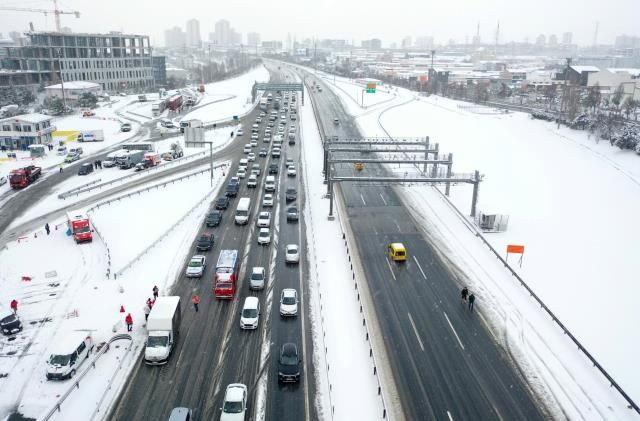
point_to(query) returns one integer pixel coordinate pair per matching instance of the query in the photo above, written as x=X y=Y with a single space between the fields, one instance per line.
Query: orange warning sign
x=512 y=248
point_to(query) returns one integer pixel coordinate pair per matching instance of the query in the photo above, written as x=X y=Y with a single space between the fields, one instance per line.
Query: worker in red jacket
x=196 y=301
x=14 y=306
x=129 y=321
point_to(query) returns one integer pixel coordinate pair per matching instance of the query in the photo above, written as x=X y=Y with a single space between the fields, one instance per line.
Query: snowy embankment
x=344 y=373
x=239 y=91
x=68 y=290
x=551 y=183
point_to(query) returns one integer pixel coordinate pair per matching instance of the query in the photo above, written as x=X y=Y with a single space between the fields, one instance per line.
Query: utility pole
x=64 y=100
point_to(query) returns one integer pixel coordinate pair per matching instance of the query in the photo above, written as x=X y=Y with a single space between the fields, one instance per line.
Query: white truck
x=130 y=159
x=162 y=330
x=91 y=136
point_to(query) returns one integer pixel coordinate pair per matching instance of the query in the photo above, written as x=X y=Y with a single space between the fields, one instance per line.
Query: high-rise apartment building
x=175 y=38
x=193 y=33
x=223 y=32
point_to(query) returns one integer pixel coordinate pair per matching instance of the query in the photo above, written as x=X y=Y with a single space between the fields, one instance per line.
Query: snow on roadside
x=79 y=297
x=353 y=392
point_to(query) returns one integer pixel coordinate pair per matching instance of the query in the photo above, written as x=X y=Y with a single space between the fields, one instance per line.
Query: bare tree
x=593 y=98
x=616 y=99
x=629 y=106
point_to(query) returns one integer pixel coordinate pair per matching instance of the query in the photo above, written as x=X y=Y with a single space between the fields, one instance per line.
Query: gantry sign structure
x=374 y=160
x=278 y=87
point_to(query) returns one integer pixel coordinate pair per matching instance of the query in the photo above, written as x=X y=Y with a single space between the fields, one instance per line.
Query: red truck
x=174 y=102
x=22 y=177
x=226 y=274
x=201 y=88
x=80 y=226
x=152 y=159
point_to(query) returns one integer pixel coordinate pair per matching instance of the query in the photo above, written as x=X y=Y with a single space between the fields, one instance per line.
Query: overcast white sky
x=346 y=19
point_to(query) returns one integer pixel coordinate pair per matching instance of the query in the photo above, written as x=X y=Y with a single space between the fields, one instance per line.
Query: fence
x=356 y=281
x=566 y=331
x=76 y=382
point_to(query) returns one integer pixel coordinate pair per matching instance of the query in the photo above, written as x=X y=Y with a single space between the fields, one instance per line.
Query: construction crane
x=57 y=12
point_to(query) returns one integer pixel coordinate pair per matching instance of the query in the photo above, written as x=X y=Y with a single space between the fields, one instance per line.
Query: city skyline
x=356 y=21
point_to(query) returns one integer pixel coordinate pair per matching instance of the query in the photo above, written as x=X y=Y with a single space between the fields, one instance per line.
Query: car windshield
x=59 y=359
x=256 y=276
x=288 y=300
x=232 y=407
x=195 y=263
x=292 y=250
x=157 y=341
x=82 y=230
x=250 y=313
x=288 y=359
x=204 y=239
x=223 y=285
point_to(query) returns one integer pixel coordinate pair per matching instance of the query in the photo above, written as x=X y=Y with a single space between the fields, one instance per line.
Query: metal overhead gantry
x=277 y=87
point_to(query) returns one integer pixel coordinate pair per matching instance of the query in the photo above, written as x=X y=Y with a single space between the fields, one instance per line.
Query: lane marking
x=391 y=270
x=454 y=331
x=415 y=331
x=382 y=197
x=419 y=267
x=362 y=197
x=449 y=415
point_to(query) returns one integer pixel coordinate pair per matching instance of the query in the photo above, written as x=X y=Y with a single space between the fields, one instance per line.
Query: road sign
x=371 y=87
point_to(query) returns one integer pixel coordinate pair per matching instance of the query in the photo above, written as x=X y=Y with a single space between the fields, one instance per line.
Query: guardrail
x=129 y=264
x=566 y=331
x=355 y=279
x=77 y=191
x=76 y=382
x=82 y=186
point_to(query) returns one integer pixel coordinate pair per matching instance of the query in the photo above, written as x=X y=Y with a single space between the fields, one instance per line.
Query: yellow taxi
x=397 y=252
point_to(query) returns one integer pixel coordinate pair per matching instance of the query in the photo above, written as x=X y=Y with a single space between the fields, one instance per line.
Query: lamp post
x=64 y=100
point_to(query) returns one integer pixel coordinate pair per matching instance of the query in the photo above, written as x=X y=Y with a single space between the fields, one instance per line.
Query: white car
x=196 y=266
x=288 y=162
x=247 y=149
x=250 y=315
x=264 y=236
x=242 y=173
x=264 y=219
x=235 y=403
x=292 y=254
x=257 y=278
x=291 y=171
x=251 y=157
x=240 y=132
x=267 y=200
x=289 y=302
x=254 y=136
x=252 y=182
x=253 y=143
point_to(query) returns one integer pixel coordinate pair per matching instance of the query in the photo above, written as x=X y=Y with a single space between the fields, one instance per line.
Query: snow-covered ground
x=238 y=91
x=572 y=203
x=353 y=94
x=68 y=290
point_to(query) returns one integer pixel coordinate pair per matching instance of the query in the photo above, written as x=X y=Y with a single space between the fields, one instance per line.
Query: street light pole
x=64 y=100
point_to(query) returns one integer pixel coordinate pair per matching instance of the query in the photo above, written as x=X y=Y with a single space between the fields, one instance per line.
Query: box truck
x=91 y=136
x=162 y=330
x=129 y=159
x=79 y=226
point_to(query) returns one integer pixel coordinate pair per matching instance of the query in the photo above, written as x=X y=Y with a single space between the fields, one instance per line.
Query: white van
x=67 y=356
x=244 y=163
x=243 y=211
x=250 y=313
x=270 y=184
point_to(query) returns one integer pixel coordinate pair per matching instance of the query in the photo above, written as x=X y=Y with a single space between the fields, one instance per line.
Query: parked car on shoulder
x=125 y=127
x=10 y=324
x=85 y=169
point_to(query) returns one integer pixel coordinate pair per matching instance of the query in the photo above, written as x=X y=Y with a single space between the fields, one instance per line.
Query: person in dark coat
x=472 y=299
x=155 y=292
x=129 y=321
x=464 y=294
x=46 y=228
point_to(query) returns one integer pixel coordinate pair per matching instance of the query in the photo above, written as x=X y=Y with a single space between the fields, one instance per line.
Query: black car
x=292 y=213
x=214 y=218
x=291 y=194
x=86 y=168
x=222 y=202
x=205 y=242
x=289 y=363
x=126 y=127
x=273 y=168
x=232 y=190
x=10 y=324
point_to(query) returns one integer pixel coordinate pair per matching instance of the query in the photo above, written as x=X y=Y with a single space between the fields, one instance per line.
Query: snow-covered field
x=572 y=203
x=238 y=90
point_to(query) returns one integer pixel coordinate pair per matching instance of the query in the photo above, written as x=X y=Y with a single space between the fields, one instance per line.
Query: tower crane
x=57 y=12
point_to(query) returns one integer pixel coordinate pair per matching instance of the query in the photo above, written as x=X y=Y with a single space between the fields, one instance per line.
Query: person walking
x=149 y=303
x=129 y=321
x=196 y=301
x=155 y=292
x=472 y=299
x=464 y=294
x=60 y=167
x=14 y=306
x=46 y=228
x=147 y=310
x=100 y=163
